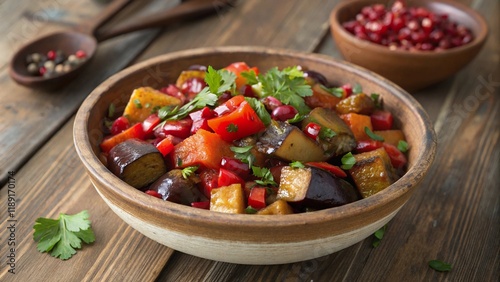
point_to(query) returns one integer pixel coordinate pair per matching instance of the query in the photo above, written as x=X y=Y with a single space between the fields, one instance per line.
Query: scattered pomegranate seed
x=407 y=28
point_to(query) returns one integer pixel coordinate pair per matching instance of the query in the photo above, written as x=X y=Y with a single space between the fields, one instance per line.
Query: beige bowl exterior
x=416 y=69
x=250 y=239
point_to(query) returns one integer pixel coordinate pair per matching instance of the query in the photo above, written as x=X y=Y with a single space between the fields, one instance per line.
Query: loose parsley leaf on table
x=439 y=265
x=61 y=237
x=379 y=234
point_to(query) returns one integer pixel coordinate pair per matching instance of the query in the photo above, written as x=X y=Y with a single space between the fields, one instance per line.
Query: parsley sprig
x=265 y=175
x=244 y=154
x=287 y=85
x=61 y=237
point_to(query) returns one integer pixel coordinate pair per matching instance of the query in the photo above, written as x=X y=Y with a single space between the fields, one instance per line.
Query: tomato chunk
x=227 y=178
x=120 y=124
x=239 y=67
x=165 y=146
x=149 y=124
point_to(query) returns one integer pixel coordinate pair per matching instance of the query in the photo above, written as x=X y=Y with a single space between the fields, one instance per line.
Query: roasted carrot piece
x=202 y=148
x=357 y=123
x=392 y=136
x=135 y=131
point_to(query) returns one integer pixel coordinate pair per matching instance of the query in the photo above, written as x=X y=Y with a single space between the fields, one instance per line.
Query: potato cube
x=144 y=100
x=278 y=207
x=372 y=172
x=228 y=199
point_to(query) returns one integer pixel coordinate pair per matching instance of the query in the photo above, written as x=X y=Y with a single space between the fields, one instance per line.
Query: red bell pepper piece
x=200 y=119
x=149 y=124
x=236 y=166
x=230 y=105
x=165 y=146
x=333 y=169
x=178 y=128
x=208 y=181
x=238 y=124
x=312 y=130
x=347 y=90
x=172 y=90
x=120 y=124
x=257 y=198
x=398 y=159
x=227 y=178
x=201 y=205
x=381 y=120
x=239 y=67
x=367 y=145
x=135 y=131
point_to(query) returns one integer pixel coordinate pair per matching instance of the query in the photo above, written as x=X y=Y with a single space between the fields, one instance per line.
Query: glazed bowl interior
x=224 y=237
x=412 y=70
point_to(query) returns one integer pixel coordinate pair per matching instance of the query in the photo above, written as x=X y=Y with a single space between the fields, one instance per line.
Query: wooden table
x=454 y=216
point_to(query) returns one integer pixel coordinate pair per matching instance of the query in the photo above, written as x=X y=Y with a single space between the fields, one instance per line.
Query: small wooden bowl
x=251 y=239
x=411 y=70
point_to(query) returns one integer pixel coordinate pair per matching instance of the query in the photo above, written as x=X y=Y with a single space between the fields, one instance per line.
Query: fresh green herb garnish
x=379 y=234
x=155 y=109
x=376 y=100
x=402 y=146
x=297 y=164
x=111 y=110
x=439 y=265
x=179 y=162
x=232 y=128
x=250 y=76
x=335 y=91
x=356 y=89
x=219 y=81
x=188 y=171
x=148 y=105
x=297 y=118
x=326 y=133
x=61 y=237
x=288 y=85
x=244 y=154
x=250 y=210
x=348 y=161
x=265 y=175
x=137 y=103
x=260 y=109
x=373 y=135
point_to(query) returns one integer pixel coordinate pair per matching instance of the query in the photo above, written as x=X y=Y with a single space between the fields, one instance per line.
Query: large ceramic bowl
x=411 y=70
x=251 y=239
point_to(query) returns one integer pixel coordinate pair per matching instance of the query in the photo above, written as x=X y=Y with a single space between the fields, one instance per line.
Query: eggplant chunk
x=136 y=162
x=173 y=187
x=288 y=142
x=358 y=103
x=373 y=172
x=314 y=188
x=228 y=199
x=342 y=142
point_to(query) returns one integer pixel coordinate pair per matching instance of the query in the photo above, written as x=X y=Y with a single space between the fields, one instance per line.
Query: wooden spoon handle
x=187 y=10
x=111 y=10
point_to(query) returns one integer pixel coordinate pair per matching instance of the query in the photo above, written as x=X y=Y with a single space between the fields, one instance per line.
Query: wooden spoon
x=86 y=38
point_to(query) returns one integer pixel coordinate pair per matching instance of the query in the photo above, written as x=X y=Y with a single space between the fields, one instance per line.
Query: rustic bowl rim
x=477 y=42
x=401 y=187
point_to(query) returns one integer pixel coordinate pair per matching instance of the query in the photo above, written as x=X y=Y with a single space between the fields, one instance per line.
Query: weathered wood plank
x=23 y=109
x=54 y=182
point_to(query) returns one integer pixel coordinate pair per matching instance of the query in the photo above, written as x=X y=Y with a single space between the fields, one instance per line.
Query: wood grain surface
x=453 y=217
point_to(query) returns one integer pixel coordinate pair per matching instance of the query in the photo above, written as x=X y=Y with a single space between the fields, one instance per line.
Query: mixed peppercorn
x=53 y=63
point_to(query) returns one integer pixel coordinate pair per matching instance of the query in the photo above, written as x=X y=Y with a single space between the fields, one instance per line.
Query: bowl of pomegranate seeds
x=412 y=43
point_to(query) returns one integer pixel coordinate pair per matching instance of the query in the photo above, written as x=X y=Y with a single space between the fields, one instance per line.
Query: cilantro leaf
x=289 y=86
x=356 y=89
x=219 y=81
x=260 y=109
x=250 y=210
x=250 y=76
x=188 y=171
x=297 y=164
x=402 y=146
x=439 y=265
x=244 y=154
x=232 y=128
x=373 y=135
x=348 y=161
x=376 y=100
x=335 y=91
x=61 y=237
x=326 y=133
x=297 y=118
x=265 y=175
x=379 y=234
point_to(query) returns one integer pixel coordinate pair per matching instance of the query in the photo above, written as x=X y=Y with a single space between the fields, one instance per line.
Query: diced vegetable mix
x=236 y=140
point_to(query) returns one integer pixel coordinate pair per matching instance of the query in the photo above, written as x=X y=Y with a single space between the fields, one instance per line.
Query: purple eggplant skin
x=136 y=162
x=173 y=187
x=312 y=188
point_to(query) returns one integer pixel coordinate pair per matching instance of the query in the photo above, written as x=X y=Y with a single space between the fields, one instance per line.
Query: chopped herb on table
x=379 y=234
x=439 y=265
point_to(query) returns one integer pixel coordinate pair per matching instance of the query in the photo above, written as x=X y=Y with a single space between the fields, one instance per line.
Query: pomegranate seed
x=284 y=113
